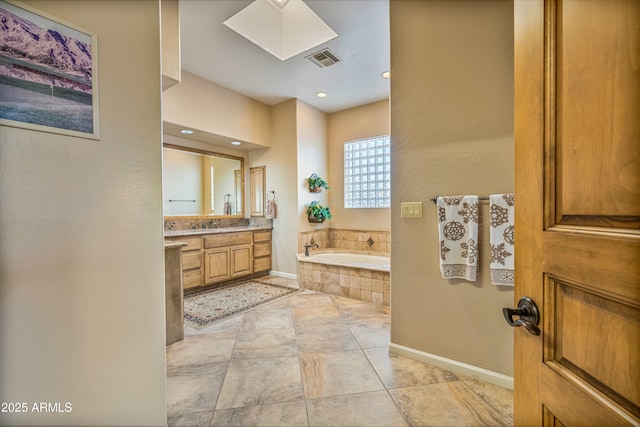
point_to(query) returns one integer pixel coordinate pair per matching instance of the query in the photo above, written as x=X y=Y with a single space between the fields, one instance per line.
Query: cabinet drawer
x=261 y=249
x=262 y=264
x=191 y=259
x=227 y=239
x=192 y=278
x=261 y=236
x=193 y=242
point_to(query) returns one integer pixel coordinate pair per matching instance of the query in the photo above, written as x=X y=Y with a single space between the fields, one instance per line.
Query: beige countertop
x=170 y=244
x=200 y=231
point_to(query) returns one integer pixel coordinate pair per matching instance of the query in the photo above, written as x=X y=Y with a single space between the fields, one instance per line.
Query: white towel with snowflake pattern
x=458 y=232
x=501 y=220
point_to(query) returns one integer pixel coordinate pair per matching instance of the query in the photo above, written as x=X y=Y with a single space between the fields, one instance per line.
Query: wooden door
x=577 y=137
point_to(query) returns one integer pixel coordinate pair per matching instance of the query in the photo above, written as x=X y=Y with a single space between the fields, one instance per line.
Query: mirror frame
x=208 y=153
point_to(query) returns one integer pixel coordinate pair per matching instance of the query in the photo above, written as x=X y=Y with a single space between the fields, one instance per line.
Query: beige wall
x=200 y=104
x=298 y=148
x=312 y=158
x=452 y=133
x=348 y=125
x=171 y=69
x=81 y=266
x=281 y=160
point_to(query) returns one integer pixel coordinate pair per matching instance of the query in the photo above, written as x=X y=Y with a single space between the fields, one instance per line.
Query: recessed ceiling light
x=321 y=94
x=186 y=131
x=236 y=142
x=386 y=74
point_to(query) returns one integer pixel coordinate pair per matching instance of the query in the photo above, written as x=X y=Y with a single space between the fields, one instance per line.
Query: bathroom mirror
x=201 y=183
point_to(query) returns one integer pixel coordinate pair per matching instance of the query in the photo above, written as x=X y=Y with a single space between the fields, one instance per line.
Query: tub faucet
x=307 y=246
x=214 y=222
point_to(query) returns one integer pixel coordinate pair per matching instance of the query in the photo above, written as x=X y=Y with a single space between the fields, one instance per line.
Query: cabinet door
x=257 y=191
x=241 y=260
x=216 y=265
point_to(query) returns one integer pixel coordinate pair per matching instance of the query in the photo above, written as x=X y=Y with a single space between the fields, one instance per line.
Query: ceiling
x=214 y=52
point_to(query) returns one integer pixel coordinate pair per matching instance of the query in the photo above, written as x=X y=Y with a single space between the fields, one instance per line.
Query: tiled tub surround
x=358 y=280
x=365 y=277
x=369 y=241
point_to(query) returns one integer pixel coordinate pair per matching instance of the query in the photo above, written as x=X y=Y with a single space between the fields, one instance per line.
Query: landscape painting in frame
x=48 y=73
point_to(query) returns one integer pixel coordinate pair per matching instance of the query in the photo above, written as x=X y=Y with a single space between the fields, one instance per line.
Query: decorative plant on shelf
x=316 y=184
x=317 y=213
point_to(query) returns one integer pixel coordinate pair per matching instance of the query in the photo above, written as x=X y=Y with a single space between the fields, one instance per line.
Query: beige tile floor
x=313 y=359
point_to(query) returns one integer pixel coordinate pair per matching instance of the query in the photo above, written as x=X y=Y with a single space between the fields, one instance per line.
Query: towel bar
x=435 y=199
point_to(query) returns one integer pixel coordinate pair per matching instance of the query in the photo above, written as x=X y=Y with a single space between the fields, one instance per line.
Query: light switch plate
x=411 y=209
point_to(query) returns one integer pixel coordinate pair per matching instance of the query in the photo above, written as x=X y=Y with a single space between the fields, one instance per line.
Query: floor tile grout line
x=210 y=424
x=386 y=389
x=349 y=315
x=304 y=394
x=226 y=371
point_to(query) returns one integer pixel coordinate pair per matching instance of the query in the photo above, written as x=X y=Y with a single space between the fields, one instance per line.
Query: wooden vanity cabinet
x=214 y=258
x=227 y=256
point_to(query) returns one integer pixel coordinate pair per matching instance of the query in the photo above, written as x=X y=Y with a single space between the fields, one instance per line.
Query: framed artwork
x=48 y=73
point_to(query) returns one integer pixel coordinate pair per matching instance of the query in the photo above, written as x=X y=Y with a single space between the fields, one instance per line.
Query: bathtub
x=361 y=276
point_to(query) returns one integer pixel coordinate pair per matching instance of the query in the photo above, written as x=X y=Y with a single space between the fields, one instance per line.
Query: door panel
x=596 y=60
x=577 y=137
x=582 y=328
x=216 y=265
x=241 y=260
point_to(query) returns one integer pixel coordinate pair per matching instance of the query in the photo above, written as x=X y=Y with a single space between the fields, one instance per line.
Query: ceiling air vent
x=324 y=58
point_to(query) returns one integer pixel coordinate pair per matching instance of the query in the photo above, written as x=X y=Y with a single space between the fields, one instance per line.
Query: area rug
x=207 y=307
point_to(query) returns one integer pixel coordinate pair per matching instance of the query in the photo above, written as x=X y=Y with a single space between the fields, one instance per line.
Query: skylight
x=284 y=28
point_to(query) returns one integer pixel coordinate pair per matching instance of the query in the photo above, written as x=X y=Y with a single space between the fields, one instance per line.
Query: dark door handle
x=529 y=315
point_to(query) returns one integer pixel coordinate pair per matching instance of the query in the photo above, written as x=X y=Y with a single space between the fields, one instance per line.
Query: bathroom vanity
x=204 y=209
x=213 y=256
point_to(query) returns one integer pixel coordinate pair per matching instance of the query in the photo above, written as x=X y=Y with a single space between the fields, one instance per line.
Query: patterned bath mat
x=204 y=308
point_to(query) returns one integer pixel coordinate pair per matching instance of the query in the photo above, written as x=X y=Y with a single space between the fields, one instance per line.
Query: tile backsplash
x=377 y=241
x=206 y=223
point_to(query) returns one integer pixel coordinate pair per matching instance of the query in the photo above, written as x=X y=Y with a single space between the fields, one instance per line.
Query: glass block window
x=367 y=173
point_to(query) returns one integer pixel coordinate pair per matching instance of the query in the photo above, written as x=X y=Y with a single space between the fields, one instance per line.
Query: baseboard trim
x=282 y=274
x=453 y=365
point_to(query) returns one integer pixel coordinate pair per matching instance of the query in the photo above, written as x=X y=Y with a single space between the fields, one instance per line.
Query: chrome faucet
x=214 y=222
x=307 y=246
